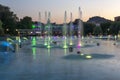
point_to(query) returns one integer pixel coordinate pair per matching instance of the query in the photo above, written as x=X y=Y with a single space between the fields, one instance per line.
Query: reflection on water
x=34 y=48
x=88 y=56
x=6 y=57
x=7 y=48
x=16 y=47
x=65 y=51
x=34 y=52
x=34 y=41
x=48 y=51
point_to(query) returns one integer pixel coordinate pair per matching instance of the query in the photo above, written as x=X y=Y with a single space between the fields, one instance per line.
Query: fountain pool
x=34 y=63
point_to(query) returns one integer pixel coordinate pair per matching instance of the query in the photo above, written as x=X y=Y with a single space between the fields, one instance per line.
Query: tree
x=97 y=30
x=0 y=24
x=8 y=18
x=25 y=23
x=105 y=27
x=115 y=28
x=88 y=28
x=1 y=29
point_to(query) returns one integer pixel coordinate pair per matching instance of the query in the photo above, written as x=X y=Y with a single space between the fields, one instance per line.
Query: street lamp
x=16 y=30
x=108 y=30
x=7 y=29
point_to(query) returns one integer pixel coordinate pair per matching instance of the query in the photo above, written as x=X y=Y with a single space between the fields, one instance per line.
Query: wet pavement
x=34 y=63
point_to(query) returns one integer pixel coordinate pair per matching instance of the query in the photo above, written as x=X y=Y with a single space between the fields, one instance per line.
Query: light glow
x=65 y=46
x=81 y=54
x=33 y=41
x=88 y=57
x=71 y=43
x=48 y=47
x=33 y=26
x=79 y=45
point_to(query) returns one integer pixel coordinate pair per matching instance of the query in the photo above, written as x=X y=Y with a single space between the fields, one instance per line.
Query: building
x=117 y=18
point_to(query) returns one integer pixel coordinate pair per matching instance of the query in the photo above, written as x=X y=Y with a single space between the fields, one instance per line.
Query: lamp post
x=108 y=30
x=7 y=30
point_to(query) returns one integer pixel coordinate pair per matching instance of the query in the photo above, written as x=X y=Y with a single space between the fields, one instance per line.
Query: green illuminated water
x=34 y=48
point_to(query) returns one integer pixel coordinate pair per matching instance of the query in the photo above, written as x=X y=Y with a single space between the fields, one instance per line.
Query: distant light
x=48 y=47
x=45 y=32
x=88 y=57
x=19 y=40
x=34 y=39
x=7 y=29
x=71 y=43
x=25 y=38
x=79 y=45
x=81 y=54
x=16 y=29
x=65 y=46
x=45 y=44
x=82 y=37
x=38 y=32
x=100 y=37
x=33 y=26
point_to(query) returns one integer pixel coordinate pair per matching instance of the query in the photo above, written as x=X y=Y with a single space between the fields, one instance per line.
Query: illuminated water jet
x=71 y=30
x=65 y=31
x=80 y=30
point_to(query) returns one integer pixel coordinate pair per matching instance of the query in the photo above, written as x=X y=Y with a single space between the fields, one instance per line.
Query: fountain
x=6 y=47
x=65 y=31
x=45 y=31
x=40 y=22
x=71 y=30
x=80 y=30
x=65 y=42
x=81 y=41
x=49 y=32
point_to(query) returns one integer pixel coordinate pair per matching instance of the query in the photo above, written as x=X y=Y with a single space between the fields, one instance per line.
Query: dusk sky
x=104 y=8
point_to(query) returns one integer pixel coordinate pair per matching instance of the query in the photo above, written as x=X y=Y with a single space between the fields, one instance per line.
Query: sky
x=104 y=8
